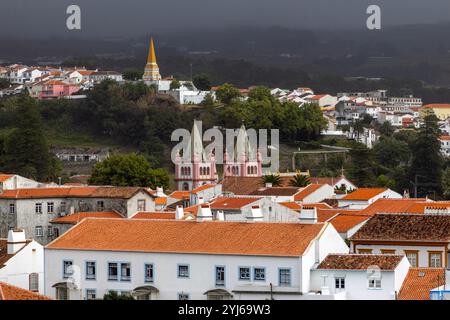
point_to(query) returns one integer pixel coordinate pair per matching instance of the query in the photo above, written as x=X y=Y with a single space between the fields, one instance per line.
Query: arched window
x=33 y=281
x=185 y=186
x=208 y=171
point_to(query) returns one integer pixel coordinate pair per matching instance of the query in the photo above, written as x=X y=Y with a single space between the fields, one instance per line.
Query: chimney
x=16 y=240
x=256 y=214
x=179 y=213
x=72 y=209
x=308 y=215
x=200 y=200
x=160 y=192
x=220 y=216
x=269 y=185
x=204 y=213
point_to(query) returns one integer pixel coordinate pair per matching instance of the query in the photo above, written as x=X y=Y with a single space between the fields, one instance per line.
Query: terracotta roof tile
x=276 y=191
x=170 y=215
x=180 y=195
x=232 y=203
x=360 y=261
x=203 y=187
x=77 y=217
x=420 y=281
x=230 y=238
x=307 y=191
x=10 y=292
x=4 y=177
x=393 y=206
x=364 y=193
x=161 y=201
x=405 y=227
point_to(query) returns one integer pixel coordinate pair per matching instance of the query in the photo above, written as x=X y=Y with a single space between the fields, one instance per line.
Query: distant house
x=99 y=76
x=362 y=197
x=81 y=154
x=54 y=89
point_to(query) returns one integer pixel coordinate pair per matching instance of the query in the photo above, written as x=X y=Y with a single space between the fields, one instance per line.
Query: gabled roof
x=328 y=180
x=169 y=215
x=384 y=205
x=4 y=256
x=276 y=191
x=174 y=236
x=78 y=216
x=232 y=203
x=364 y=194
x=10 y=292
x=203 y=187
x=385 y=262
x=180 y=194
x=420 y=281
x=308 y=190
x=405 y=227
x=4 y=177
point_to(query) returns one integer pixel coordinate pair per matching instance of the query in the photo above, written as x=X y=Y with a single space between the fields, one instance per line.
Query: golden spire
x=151 y=54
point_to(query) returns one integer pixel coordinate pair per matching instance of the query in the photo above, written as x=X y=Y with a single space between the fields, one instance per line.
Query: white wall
x=325 y=192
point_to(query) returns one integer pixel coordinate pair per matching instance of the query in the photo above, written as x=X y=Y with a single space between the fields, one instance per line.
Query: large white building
x=156 y=259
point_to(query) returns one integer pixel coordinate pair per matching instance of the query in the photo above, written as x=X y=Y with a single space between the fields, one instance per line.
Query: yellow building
x=441 y=110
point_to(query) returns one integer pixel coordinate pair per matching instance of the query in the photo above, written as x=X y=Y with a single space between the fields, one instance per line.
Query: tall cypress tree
x=427 y=161
x=26 y=149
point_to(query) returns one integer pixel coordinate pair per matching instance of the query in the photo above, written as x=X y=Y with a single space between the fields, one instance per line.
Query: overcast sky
x=138 y=17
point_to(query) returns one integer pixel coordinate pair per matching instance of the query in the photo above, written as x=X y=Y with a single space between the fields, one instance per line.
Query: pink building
x=244 y=162
x=53 y=89
x=195 y=168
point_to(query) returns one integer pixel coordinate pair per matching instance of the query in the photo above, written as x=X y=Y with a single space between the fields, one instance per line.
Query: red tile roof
x=180 y=195
x=276 y=191
x=308 y=190
x=161 y=201
x=203 y=187
x=72 y=192
x=360 y=261
x=10 y=292
x=437 y=105
x=230 y=238
x=169 y=215
x=4 y=177
x=232 y=203
x=364 y=193
x=393 y=206
x=77 y=217
x=420 y=281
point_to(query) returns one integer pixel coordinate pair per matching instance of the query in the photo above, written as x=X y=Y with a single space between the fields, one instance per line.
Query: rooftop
x=276 y=191
x=420 y=281
x=228 y=238
x=360 y=261
x=306 y=191
x=9 y=292
x=77 y=217
x=364 y=194
x=232 y=203
x=393 y=205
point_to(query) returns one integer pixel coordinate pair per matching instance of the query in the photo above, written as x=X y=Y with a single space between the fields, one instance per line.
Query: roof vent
x=421 y=274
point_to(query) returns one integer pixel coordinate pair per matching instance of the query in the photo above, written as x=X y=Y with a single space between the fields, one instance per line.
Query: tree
x=391 y=152
x=202 y=82
x=128 y=170
x=260 y=93
x=299 y=180
x=113 y=295
x=226 y=93
x=386 y=129
x=446 y=183
x=427 y=161
x=26 y=151
x=360 y=167
x=273 y=179
x=4 y=83
x=132 y=74
x=175 y=84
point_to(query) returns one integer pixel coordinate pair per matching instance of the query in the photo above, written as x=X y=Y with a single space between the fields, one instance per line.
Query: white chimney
x=179 y=213
x=255 y=214
x=200 y=200
x=308 y=215
x=268 y=184
x=204 y=213
x=220 y=216
x=160 y=192
x=72 y=209
x=16 y=241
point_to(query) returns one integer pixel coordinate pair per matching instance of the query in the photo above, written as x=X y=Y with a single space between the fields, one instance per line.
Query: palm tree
x=273 y=179
x=299 y=180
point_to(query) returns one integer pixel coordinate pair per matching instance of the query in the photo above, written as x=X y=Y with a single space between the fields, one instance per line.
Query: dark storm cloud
x=136 y=17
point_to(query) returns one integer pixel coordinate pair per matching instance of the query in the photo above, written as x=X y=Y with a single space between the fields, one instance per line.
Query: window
x=50 y=207
x=365 y=251
x=33 y=280
x=413 y=258
x=374 y=283
x=38 y=208
x=125 y=271
x=38 y=231
x=49 y=231
x=62 y=208
x=284 y=277
x=112 y=271
x=100 y=205
x=220 y=276
x=91 y=294
x=12 y=208
x=244 y=273
x=387 y=251
x=141 y=205
x=183 y=271
x=67 y=269
x=339 y=283
x=259 y=274
x=148 y=269
x=90 y=270
x=183 y=296
x=435 y=259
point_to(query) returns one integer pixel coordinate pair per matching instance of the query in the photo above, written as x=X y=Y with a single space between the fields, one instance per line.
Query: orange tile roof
x=444 y=138
x=291 y=205
x=344 y=222
x=420 y=281
x=155 y=215
x=74 y=218
x=203 y=187
x=161 y=201
x=4 y=177
x=72 y=192
x=232 y=203
x=179 y=194
x=307 y=191
x=10 y=292
x=393 y=205
x=173 y=236
x=364 y=193
x=437 y=105
x=360 y=261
